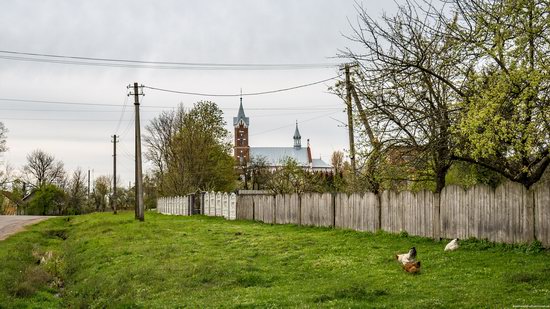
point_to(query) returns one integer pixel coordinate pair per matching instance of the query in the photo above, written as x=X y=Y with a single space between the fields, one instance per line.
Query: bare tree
x=159 y=139
x=42 y=168
x=102 y=188
x=77 y=192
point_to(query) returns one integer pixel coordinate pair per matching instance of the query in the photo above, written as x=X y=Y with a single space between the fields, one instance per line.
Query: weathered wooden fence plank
x=245 y=207
x=542 y=213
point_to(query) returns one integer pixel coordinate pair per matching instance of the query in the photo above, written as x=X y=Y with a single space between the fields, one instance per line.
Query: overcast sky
x=201 y=31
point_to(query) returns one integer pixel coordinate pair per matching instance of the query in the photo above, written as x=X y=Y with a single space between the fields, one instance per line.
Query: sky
x=192 y=31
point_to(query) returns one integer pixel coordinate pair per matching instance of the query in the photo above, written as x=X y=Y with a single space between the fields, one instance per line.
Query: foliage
x=466 y=83
x=190 y=150
x=108 y=261
x=48 y=199
x=505 y=122
x=292 y=178
x=467 y=175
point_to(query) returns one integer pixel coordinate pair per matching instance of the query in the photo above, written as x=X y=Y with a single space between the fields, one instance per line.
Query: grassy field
x=105 y=260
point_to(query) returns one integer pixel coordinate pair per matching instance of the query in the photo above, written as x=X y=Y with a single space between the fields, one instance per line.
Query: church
x=274 y=156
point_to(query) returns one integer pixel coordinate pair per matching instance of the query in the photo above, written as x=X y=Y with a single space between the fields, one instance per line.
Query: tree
x=76 y=193
x=48 y=199
x=400 y=80
x=193 y=154
x=42 y=169
x=102 y=188
x=465 y=82
x=290 y=178
x=260 y=173
x=3 y=133
x=160 y=135
x=505 y=111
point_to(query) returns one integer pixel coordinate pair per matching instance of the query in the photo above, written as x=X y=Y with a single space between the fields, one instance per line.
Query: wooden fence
x=510 y=213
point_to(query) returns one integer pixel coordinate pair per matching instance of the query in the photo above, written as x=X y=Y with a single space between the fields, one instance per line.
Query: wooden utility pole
x=88 y=183
x=114 y=141
x=139 y=174
x=350 y=121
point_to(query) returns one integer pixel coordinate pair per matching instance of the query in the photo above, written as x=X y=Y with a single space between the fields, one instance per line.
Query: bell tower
x=241 y=150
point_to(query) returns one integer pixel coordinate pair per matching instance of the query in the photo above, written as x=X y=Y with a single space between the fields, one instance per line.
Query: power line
x=242 y=94
x=292 y=124
x=126 y=63
x=121 y=114
x=64 y=102
x=63 y=119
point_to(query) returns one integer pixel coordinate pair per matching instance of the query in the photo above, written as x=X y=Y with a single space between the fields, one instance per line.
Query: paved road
x=12 y=224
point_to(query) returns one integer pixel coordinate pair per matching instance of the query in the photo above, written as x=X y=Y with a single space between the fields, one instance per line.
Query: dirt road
x=12 y=224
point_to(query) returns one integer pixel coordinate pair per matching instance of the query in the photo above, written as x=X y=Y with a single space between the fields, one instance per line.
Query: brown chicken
x=412 y=267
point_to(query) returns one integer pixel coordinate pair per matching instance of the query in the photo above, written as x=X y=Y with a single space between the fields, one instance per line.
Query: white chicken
x=409 y=257
x=453 y=245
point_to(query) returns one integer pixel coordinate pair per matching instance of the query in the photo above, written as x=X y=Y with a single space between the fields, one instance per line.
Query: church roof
x=240 y=116
x=319 y=163
x=275 y=156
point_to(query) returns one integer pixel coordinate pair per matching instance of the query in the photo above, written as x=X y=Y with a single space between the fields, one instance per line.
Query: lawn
x=106 y=260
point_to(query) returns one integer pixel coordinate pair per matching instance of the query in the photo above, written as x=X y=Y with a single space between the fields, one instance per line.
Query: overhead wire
x=127 y=63
x=289 y=125
x=121 y=114
x=242 y=94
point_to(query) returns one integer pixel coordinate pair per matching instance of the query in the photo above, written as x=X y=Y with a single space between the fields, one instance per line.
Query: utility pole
x=88 y=183
x=350 y=121
x=114 y=141
x=139 y=175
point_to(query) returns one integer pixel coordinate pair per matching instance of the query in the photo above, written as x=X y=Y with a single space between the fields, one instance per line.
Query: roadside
x=10 y=225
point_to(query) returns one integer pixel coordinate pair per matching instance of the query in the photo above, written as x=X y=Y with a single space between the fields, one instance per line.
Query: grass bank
x=105 y=260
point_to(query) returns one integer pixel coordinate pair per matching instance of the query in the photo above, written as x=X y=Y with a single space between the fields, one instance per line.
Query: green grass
x=103 y=260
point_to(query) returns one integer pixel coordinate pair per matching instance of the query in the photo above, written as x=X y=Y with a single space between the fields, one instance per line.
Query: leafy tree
x=194 y=154
x=292 y=178
x=505 y=111
x=48 y=199
x=467 y=175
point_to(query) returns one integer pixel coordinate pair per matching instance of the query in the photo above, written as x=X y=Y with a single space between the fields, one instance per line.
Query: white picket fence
x=220 y=204
x=215 y=204
x=177 y=205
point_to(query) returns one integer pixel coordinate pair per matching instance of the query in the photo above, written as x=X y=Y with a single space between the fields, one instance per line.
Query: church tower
x=242 y=148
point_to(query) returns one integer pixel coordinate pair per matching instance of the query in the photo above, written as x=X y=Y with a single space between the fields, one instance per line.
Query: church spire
x=241 y=116
x=297 y=138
